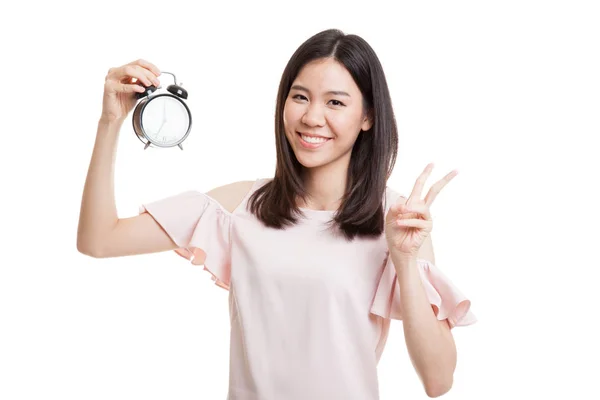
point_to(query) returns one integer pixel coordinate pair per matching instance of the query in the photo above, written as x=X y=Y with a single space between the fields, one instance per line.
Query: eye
x=335 y=102
x=339 y=103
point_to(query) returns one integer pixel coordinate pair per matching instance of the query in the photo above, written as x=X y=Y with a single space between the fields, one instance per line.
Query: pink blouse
x=310 y=312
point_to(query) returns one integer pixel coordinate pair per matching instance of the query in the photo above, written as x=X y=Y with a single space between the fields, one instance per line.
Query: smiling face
x=323 y=115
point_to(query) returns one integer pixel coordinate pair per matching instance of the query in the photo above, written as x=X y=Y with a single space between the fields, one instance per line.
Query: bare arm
x=98 y=220
x=429 y=341
x=101 y=233
x=98 y=214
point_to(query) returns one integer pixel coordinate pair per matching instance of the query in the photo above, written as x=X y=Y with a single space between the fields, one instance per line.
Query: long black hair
x=373 y=154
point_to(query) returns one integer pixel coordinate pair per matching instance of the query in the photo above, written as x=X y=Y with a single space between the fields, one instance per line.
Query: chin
x=311 y=162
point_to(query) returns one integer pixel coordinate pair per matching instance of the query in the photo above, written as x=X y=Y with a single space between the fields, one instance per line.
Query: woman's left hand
x=408 y=222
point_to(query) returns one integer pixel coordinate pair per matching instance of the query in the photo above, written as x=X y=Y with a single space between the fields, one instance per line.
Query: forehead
x=324 y=75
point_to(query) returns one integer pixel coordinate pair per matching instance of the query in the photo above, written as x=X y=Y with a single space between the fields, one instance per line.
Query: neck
x=326 y=185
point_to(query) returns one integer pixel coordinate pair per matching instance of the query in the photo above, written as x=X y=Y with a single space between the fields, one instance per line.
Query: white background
x=505 y=92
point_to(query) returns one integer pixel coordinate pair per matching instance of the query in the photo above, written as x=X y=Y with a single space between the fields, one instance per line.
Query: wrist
x=109 y=124
x=110 y=121
x=108 y=128
x=402 y=258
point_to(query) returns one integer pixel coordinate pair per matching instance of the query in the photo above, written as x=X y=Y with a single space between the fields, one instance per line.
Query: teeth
x=311 y=139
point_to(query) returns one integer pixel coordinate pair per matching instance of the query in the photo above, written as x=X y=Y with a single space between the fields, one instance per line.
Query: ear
x=367 y=121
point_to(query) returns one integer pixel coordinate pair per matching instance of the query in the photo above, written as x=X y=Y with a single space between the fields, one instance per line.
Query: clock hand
x=161 y=126
x=164 y=118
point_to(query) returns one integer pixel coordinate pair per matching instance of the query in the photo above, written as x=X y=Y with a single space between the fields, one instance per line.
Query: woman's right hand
x=122 y=83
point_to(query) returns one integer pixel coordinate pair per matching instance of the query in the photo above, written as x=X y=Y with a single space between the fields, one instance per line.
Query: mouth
x=312 y=141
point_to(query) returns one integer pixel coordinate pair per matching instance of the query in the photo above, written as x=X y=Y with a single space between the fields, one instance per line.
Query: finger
x=419 y=209
x=414 y=223
x=438 y=186
x=118 y=87
x=149 y=74
x=141 y=74
x=129 y=74
x=153 y=68
x=418 y=188
x=125 y=88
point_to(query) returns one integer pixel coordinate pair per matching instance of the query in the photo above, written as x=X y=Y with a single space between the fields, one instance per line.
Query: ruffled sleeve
x=200 y=226
x=449 y=302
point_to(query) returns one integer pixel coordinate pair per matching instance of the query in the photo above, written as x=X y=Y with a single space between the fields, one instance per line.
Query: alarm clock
x=162 y=119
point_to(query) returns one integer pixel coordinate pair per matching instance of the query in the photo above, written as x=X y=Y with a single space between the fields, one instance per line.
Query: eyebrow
x=336 y=92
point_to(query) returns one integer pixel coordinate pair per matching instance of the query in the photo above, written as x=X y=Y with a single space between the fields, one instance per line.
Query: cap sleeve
x=200 y=226
x=449 y=302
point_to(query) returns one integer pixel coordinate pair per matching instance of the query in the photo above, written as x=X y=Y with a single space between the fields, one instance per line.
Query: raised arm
x=100 y=232
x=98 y=215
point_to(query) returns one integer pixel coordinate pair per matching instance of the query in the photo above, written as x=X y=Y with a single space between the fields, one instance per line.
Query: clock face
x=165 y=120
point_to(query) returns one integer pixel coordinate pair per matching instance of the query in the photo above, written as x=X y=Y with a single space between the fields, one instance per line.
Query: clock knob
x=178 y=91
x=148 y=92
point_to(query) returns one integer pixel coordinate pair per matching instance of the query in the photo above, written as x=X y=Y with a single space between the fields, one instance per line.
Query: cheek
x=291 y=113
x=343 y=125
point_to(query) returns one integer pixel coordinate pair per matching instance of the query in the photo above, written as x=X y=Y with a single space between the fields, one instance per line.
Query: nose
x=313 y=116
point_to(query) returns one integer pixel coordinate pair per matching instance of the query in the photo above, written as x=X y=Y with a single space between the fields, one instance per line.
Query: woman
x=317 y=259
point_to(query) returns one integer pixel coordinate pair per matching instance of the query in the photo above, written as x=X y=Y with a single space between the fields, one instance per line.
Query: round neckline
x=317 y=211
x=318 y=214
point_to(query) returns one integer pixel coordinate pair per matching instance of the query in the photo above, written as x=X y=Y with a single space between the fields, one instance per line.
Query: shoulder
x=229 y=196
